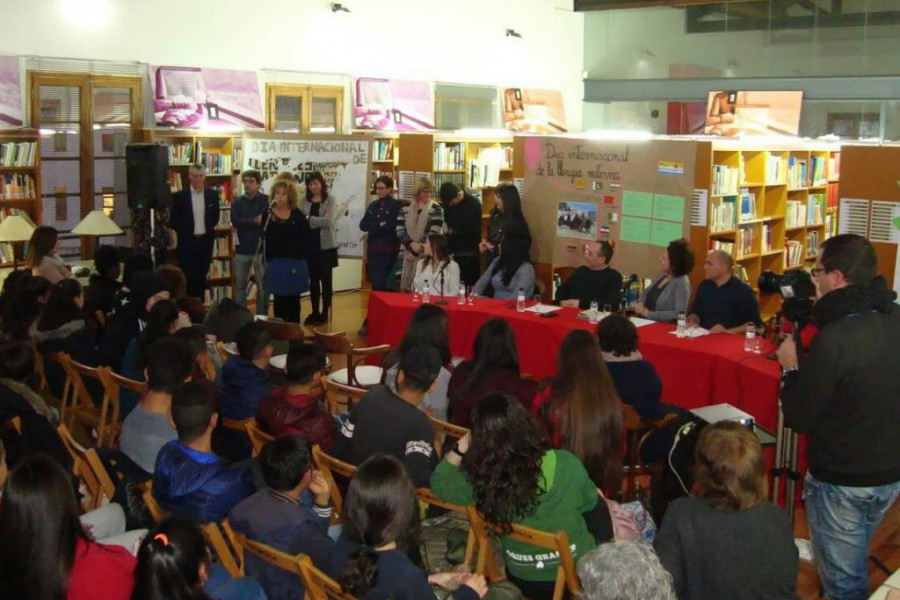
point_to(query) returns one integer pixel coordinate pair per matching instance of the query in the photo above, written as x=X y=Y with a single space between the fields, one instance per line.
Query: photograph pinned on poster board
x=576 y=219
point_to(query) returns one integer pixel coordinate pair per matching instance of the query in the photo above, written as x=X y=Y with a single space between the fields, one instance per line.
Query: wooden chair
x=156 y=511
x=444 y=430
x=286 y=332
x=566 y=577
x=88 y=468
x=318 y=585
x=355 y=373
x=242 y=544
x=113 y=383
x=15 y=424
x=637 y=431
x=105 y=420
x=340 y=397
x=223 y=353
x=258 y=437
x=329 y=465
x=236 y=424
x=40 y=370
x=426 y=496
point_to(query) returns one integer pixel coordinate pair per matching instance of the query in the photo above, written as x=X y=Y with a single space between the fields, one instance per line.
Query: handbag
x=286 y=276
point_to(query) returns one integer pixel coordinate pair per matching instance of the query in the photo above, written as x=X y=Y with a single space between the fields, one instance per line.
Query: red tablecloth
x=695 y=372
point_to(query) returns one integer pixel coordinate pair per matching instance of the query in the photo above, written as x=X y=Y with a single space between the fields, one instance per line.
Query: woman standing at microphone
x=287 y=242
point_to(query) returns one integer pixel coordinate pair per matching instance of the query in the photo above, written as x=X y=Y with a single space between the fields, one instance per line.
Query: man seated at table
x=723 y=303
x=596 y=281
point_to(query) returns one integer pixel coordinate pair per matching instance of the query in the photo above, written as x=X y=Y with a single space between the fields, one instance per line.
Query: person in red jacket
x=44 y=550
x=295 y=408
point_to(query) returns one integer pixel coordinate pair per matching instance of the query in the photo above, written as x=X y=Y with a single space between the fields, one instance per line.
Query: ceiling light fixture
x=513 y=33
x=337 y=7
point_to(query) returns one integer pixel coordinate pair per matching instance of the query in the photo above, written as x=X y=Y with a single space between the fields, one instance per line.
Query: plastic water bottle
x=461 y=295
x=520 y=300
x=682 y=325
x=750 y=338
x=594 y=313
x=426 y=293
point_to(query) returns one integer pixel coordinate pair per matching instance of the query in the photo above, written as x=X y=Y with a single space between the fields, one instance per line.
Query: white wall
x=459 y=41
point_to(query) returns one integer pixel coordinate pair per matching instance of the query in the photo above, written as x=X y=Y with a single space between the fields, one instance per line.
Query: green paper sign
x=635 y=230
x=664 y=232
x=638 y=204
x=668 y=208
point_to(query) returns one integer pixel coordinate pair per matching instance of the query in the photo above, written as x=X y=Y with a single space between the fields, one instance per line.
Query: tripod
x=787 y=446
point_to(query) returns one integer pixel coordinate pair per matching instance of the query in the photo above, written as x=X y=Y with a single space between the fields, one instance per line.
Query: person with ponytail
x=381 y=521
x=173 y=563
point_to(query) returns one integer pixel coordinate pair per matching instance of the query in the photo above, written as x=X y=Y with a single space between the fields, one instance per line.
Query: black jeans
x=320 y=285
x=287 y=308
x=379 y=265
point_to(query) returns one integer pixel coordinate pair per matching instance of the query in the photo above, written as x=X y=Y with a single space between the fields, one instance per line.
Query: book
x=449 y=156
x=722 y=216
x=795 y=214
x=748 y=205
x=725 y=180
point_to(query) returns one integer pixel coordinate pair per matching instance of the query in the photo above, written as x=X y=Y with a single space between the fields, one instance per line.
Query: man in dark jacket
x=462 y=219
x=195 y=213
x=242 y=382
x=189 y=479
x=844 y=395
x=594 y=282
x=276 y=516
x=380 y=222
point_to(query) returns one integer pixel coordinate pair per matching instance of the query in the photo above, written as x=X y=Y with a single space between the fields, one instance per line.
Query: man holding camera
x=846 y=395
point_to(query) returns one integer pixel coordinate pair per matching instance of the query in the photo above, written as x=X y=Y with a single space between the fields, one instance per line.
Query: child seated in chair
x=276 y=517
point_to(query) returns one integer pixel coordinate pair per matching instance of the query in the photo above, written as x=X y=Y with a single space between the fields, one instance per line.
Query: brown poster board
x=636 y=194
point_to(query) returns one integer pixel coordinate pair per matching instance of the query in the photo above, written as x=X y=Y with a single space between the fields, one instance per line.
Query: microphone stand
x=441 y=300
x=258 y=257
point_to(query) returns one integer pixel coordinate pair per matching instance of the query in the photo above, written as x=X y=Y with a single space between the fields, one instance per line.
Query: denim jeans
x=842 y=520
x=221 y=586
x=242 y=264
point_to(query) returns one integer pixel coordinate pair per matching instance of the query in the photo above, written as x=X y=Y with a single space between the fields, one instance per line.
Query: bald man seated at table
x=724 y=303
x=596 y=281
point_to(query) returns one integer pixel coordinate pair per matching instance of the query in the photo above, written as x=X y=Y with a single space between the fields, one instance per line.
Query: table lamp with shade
x=97 y=224
x=14 y=229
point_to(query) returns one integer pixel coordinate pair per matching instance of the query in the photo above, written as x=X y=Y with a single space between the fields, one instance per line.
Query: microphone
x=272 y=203
x=441 y=299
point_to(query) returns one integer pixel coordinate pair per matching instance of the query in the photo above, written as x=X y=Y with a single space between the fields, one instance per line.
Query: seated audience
x=427 y=327
x=727 y=540
x=148 y=427
x=724 y=303
x=225 y=318
x=45 y=552
x=669 y=293
x=162 y=322
x=437 y=268
x=410 y=436
x=636 y=380
x=276 y=517
x=295 y=407
x=242 y=382
x=380 y=522
x=195 y=337
x=494 y=368
x=173 y=563
x=624 y=571
x=26 y=302
x=135 y=264
x=43 y=255
x=176 y=282
x=507 y=470
x=189 y=479
x=103 y=284
x=510 y=271
x=580 y=410
x=595 y=281
x=130 y=318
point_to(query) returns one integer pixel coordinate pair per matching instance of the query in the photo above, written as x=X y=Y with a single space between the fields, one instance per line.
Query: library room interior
x=266 y=269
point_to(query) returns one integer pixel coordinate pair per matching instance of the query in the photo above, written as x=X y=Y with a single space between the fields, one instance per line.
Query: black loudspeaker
x=147 y=167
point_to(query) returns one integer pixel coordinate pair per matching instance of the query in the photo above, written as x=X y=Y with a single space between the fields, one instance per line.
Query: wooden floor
x=350 y=309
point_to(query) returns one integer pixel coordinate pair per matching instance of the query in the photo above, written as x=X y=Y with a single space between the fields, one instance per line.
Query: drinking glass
x=537 y=300
x=470 y=294
x=607 y=309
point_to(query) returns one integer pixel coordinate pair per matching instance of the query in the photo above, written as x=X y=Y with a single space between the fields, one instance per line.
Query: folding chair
x=258 y=437
x=105 y=420
x=355 y=373
x=444 y=430
x=340 y=397
x=329 y=465
x=113 y=383
x=156 y=511
x=318 y=585
x=426 y=496
x=88 y=468
x=242 y=544
x=566 y=577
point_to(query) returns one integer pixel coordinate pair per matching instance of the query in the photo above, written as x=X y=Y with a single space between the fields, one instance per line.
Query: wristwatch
x=785 y=371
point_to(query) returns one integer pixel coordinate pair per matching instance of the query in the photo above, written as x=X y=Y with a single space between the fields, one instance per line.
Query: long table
x=695 y=372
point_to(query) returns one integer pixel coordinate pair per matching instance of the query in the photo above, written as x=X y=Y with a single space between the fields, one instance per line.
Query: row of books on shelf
x=744 y=241
x=222 y=247
x=6 y=250
x=442 y=178
x=224 y=217
x=766 y=232
x=724 y=180
x=722 y=214
x=449 y=156
x=18 y=154
x=383 y=150
x=811 y=212
x=16 y=186
x=834 y=165
x=812 y=243
x=216 y=293
x=724 y=245
x=219 y=268
x=798 y=176
x=485 y=170
x=775 y=169
x=216 y=163
x=181 y=153
x=793 y=253
x=818 y=170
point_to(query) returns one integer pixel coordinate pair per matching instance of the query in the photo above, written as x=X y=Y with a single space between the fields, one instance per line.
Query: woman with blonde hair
x=287 y=238
x=416 y=221
x=726 y=540
x=43 y=255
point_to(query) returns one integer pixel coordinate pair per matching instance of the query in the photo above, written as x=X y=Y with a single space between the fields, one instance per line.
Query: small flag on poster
x=609 y=200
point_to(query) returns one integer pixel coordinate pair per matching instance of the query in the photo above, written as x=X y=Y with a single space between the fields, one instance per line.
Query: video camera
x=797 y=290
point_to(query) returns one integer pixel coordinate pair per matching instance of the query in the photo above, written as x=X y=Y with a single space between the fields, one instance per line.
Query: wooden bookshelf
x=222 y=157
x=20 y=182
x=769 y=207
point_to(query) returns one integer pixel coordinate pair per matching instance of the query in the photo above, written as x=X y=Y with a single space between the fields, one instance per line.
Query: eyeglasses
x=816 y=271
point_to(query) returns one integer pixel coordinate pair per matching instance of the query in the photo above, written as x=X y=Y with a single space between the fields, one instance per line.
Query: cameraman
x=846 y=394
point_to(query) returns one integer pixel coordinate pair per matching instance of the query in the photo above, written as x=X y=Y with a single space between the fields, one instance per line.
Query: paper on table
x=639 y=204
x=692 y=332
x=543 y=309
x=639 y=322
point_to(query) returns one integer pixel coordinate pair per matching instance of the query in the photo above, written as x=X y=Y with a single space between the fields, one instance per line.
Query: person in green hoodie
x=505 y=467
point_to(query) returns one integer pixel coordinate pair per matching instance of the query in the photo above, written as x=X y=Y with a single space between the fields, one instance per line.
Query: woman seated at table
x=493 y=369
x=505 y=467
x=511 y=271
x=580 y=410
x=670 y=292
x=727 y=541
x=43 y=255
x=427 y=327
x=436 y=268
